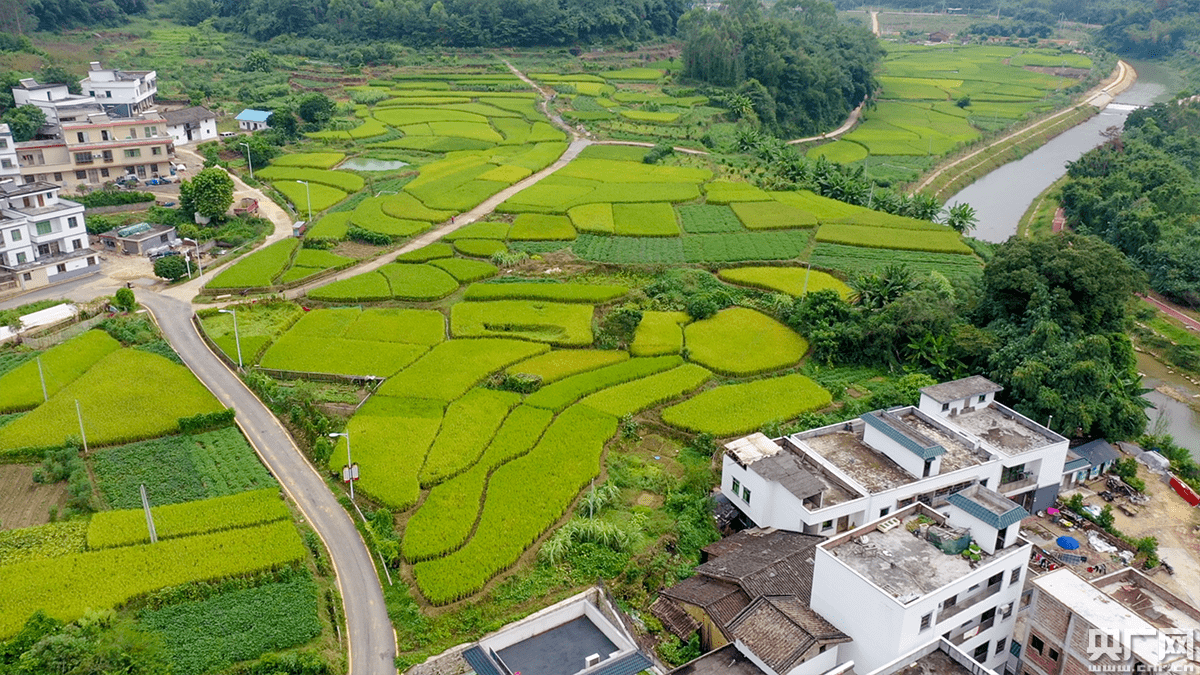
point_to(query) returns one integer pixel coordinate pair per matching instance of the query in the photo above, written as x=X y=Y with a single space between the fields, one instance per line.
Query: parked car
x=155 y=255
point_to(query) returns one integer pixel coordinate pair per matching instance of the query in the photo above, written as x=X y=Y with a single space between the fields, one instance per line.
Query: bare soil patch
x=24 y=503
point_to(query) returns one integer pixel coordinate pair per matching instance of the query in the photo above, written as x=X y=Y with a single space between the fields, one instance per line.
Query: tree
x=316 y=108
x=170 y=267
x=24 y=121
x=283 y=121
x=259 y=152
x=210 y=193
x=59 y=75
x=259 y=60
x=960 y=217
x=963 y=102
x=124 y=299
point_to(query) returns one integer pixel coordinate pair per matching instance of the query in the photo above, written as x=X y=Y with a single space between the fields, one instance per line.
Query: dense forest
x=795 y=67
x=1140 y=191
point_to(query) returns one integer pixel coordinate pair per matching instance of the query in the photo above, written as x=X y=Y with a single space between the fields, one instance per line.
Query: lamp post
x=350 y=473
x=308 y=195
x=236 y=338
x=248 y=160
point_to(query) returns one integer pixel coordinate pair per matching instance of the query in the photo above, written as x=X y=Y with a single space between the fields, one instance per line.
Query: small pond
x=368 y=164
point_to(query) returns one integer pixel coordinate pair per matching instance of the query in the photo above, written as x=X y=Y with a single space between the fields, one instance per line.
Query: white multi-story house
x=122 y=93
x=43 y=239
x=9 y=166
x=835 y=478
x=55 y=101
x=191 y=125
x=899 y=583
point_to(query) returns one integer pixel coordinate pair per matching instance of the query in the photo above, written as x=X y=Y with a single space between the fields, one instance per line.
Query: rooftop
x=724 y=600
x=781 y=630
x=1006 y=430
x=875 y=471
x=901 y=563
x=936 y=662
x=959 y=454
x=187 y=115
x=249 y=115
x=1097 y=452
x=1102 y=612
x=764 y=562
x=792 y=470
x=14 y=189
x=957 y=390
x=560 y=650
x=988 y=506
x=727 y=660
x=1163 y=609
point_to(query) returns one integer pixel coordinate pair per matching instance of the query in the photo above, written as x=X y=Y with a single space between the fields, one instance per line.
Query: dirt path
x=846 y=126
x=875 y=23
x=1124 y=77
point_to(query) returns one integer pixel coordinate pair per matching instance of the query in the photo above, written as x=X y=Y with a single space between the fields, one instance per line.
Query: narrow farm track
x=372 y=640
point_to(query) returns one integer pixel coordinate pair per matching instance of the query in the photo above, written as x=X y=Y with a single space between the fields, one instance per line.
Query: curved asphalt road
x=372 y=638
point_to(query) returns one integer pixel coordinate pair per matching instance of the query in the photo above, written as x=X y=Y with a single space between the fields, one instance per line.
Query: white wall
x=899 y=454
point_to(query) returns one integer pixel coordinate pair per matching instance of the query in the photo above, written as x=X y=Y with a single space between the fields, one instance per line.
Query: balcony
x=1015 y=482
x=958 y=637
x=966 y=603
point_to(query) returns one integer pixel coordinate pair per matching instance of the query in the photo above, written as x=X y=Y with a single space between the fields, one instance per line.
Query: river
x=1001 y=197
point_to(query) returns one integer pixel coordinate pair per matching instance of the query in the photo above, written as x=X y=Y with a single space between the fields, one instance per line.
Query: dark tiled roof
x=727 y=660
x=722 y=600
x=193 y=114
x=957 y=390
x=630 y=664
x=1097 y=452
x=479 y=662
x=764 y=562
x=910 y=439
x=15 y=189
x=1075 y=462
x=782 y=630
x=785 y=468
x=988 y=506
x=674 y=618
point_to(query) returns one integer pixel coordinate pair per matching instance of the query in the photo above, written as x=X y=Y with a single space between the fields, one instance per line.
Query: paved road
x=1187 y=321
x=372 y=638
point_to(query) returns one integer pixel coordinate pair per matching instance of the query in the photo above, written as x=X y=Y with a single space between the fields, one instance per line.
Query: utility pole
x=149 y=516
x=42 y=376
x=82 y=435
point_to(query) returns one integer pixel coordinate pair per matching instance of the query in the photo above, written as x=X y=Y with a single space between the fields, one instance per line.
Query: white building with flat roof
x=897 y=584
x=835 y=478
x=43 y=239
x=122 y=93
x=9 y=164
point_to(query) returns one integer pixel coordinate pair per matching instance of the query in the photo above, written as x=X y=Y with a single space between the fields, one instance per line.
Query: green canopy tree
x=210 y=193
x=24 y=121
x=316 y=108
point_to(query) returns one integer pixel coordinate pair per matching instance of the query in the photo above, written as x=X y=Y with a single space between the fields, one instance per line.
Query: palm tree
x=961 y=217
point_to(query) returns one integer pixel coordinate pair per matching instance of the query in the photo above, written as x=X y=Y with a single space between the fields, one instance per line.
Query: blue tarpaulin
x=1067 y=543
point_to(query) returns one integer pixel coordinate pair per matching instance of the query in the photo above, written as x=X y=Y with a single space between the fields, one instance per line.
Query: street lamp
x=237 y=338
x=308 y=194
x=350 y=472
x=248 y=160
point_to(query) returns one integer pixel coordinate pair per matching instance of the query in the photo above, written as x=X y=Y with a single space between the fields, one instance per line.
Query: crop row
x=653 y=219
x=659 y=333
x=741 y=408
x=883 y=237
x=42 y=542
x=636 y=396
x=21 y=388
x=859 y=260
x=452 y=368
x=342 y=180
x=514 y=515
x=323 y=196
x=559 y=395
x=486 y=229
x=107 y=578
x=708 y=219
x=251 y=621
x=565 y=292
x=402 y=281
x=391 y=437
x=259 y=269
x=772 y=215
x=560 y=363
x=554 y=322
x=466 y=271
x=110 y=529
x=339 y=356
x=467 y=428
x=541 y=227
x=127 y=396
x=726 y=247
x=727 y=192
x=795 y=281
x=444 y=521
x=741 y=341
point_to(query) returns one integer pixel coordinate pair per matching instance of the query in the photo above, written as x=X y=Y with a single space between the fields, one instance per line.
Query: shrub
x=206 y=421
x=741 y=341
x=367 y=236
x=101 y=198
x=740 y=408
x=170 y=267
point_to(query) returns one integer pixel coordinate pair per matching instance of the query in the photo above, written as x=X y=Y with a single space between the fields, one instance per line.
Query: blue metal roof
x=479 y=661
x=250 y=115
x=631 y=664
x=1076 y=464
x=997 y=520
x=1097 y=452
x=876 y=420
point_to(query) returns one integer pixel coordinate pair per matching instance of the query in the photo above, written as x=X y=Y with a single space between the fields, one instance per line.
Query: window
x=132 y=132
x=108 y=156
x=151 y=131
x=72 y=222
x=81 y=136
x=91 y=260
x=945 y=407
x=1036 y=644
x=1000 y=644
x=996 y=579
x=1015 y=576
x=950 y=601
x=61 y=268
x=1006 y=611
x=927 y=621
x=14 y=235
x=982 y=398
x=827 y=525
x=163 y=238
x=77 y=244
x=57 y=177
x=3 y=143
x=1053 y=654
x=43 y=227
x=737 y=486
x=21 y=257
x=746 y=494
x=884 y=511
x=104 y=135
x=981 y=652
x=81 y=175
x=91 y=92
x=6 y=163
x=156 y=150
x=154 y=168
x=83 y=158
x=107 y=94
x=104 y=172
x=133 y=152
x=27 y=277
